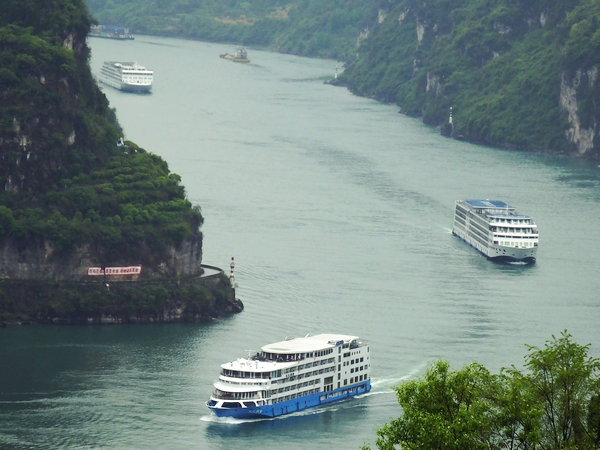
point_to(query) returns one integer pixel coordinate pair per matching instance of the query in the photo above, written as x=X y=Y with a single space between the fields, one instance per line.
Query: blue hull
x=294 y=405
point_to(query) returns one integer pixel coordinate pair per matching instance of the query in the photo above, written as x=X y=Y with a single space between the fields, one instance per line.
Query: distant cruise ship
x=496 y=230
x=110 y=32
x=127 y=76
x=292 y=375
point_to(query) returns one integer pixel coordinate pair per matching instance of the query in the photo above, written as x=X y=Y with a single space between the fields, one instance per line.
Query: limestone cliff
x=583 y=130
x=39 y=260
x=518 y=75
x=73 y=195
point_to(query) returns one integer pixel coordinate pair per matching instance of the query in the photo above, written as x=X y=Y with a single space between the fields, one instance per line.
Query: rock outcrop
x=39 y=260
x=573 y=89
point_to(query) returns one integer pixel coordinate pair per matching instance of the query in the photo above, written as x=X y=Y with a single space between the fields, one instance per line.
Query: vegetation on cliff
x=64 y=177
x=67 y=181
x=506 y=69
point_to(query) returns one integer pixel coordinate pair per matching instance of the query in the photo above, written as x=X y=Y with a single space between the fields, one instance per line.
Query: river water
x=338 y=211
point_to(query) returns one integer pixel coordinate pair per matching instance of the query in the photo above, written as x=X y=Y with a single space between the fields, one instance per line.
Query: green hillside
x=504 y=67
x=63 y=175
x=70 y=190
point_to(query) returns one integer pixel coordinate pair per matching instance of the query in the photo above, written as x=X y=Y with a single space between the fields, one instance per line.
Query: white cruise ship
x=496 y=230
x=292 y=375
x=127 y=76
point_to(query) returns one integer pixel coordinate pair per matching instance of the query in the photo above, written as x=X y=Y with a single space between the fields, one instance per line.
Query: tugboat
x=240 y=55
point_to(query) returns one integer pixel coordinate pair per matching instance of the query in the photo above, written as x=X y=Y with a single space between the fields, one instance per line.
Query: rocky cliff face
x=584 y=130
x=40 y=261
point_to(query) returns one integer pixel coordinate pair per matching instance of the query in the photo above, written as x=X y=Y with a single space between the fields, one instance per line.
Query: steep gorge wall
x=584 y=130
x=39 y=261
x=520 y=75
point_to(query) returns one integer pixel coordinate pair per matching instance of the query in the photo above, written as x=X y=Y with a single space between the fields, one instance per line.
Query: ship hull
x=496 y=230
x=294 y=405
x=137 y=89
x=501 y=254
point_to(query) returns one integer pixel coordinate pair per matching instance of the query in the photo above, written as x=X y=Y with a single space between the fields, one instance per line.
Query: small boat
x=496 y=230
x=292 y=375
x=240 y=55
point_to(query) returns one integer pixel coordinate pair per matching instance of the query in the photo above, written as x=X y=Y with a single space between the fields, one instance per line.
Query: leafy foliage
x=555 y=405
x=131 y=202
x=446 y=410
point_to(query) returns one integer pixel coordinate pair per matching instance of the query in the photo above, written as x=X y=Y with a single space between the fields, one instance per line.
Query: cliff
x=38 y=260
x=514 y=74
x=72 y=195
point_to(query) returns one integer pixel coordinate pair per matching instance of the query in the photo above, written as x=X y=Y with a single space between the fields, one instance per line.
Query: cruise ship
x=127 y=76
x=292 y=375
x=110 y=32
x=496 y=230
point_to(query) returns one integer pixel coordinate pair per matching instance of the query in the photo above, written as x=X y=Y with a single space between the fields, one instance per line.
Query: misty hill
x=516 y=74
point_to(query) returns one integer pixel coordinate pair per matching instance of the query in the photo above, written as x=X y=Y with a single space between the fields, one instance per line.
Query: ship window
x=231 y=405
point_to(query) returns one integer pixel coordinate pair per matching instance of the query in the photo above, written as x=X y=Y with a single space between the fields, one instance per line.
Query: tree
x=518 y=418
x=565 y=381
x=446 y=410
x=555 y=405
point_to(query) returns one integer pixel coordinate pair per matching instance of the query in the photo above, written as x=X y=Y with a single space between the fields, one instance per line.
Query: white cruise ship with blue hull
x=496 y=230
x=292 y=375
